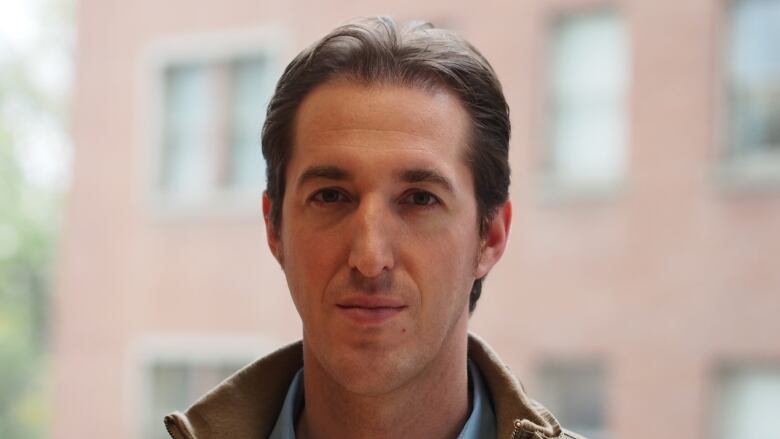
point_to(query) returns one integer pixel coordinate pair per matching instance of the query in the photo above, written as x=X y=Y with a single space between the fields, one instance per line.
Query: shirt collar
x=293 y=403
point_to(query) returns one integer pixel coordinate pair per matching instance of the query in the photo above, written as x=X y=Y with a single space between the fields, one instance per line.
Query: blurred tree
x=25 y=256
x=32 y=121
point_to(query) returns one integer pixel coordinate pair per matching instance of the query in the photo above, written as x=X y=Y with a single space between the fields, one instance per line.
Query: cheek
x=455 y=241
x=445 y=264
x=311 y=260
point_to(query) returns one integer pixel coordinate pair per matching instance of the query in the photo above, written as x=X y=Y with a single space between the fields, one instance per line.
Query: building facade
x=641 y=278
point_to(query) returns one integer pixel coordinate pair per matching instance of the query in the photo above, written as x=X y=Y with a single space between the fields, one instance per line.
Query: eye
x=329 y=196
x=420 y=198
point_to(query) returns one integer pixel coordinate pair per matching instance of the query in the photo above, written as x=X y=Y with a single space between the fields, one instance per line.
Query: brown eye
x=329 y=196
x=421 y=198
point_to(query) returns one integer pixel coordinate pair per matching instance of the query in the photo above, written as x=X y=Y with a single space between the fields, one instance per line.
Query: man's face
x=379 y=237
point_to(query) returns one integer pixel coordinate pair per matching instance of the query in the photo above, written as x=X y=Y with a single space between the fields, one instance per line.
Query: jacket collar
x=247 y=404
x=517 y=416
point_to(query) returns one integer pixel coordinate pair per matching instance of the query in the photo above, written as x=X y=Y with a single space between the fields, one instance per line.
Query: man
x=386 y=207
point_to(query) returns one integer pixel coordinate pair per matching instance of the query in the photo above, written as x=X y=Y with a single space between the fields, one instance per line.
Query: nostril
x=371 y=265
x=371 y=258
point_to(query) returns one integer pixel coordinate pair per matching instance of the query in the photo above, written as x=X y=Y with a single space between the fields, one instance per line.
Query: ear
x=271 y=234
x=494 y=242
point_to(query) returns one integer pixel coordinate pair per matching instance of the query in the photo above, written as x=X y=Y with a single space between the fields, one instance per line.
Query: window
x=213 y=116
x=175 y=385
x=212 y=107
x=172 y=371
x=587 y=123
x=753 y=66
x=747 y=400
x=575 y=393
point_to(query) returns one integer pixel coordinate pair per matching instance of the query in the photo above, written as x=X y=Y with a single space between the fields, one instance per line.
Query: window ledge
x=558 y=190
x=759 y=172
x=225 y=205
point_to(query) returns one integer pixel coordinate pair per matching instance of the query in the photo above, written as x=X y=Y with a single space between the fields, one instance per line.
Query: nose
x=371 y=253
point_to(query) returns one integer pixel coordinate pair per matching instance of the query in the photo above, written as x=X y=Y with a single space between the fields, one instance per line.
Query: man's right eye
x=329 y=196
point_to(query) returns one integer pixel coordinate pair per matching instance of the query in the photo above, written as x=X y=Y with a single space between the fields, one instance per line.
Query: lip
x=370 y=310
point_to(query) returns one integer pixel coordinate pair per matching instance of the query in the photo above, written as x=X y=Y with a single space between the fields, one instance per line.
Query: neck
x=433 y=404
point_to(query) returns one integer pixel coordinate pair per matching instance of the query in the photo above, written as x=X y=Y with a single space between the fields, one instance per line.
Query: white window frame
x=149 y=350
x=718 y=379
x=268 y=42
x=554 y=187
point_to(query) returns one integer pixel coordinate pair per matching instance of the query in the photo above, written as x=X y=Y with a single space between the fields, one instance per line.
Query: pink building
x=642 y=273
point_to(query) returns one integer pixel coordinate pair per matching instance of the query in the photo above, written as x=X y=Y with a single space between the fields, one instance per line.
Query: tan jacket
x=247 y=404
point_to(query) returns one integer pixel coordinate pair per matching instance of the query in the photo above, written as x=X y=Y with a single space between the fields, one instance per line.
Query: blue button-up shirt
x=480 y=424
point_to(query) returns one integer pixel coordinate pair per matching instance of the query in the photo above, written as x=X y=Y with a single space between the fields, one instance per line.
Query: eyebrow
x=426 y=176
x=421 y=175
x=323 y=172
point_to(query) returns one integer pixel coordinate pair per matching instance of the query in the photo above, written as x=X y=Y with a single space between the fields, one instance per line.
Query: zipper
x=170 y=426
x=518 y=432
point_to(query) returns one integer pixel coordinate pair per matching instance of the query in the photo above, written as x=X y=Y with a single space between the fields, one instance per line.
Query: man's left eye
x=420 y=198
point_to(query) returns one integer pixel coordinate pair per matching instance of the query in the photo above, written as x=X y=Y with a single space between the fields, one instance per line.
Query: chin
x=373 y=379
x=370 y=372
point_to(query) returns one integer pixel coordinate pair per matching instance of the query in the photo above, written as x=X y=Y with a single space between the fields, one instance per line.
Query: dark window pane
x=754 y=72
x=575 y=394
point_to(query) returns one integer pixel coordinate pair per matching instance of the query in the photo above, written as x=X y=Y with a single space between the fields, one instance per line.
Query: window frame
x=213 y=48
x=554 y=188
x=755 y=172
x=718 y=371
x=197 y=350
x=546 y=362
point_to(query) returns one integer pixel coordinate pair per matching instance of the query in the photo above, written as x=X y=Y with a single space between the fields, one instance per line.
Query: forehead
x=341 y=118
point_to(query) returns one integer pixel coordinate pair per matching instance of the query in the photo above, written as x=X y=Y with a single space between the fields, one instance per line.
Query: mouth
x=370 y=314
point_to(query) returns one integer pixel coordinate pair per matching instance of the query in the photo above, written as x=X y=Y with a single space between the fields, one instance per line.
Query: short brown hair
x=377 y=51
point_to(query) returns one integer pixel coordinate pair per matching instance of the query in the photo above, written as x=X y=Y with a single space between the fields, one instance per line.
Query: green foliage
x=24 y=265
x=28 y=224
x=26 y=239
